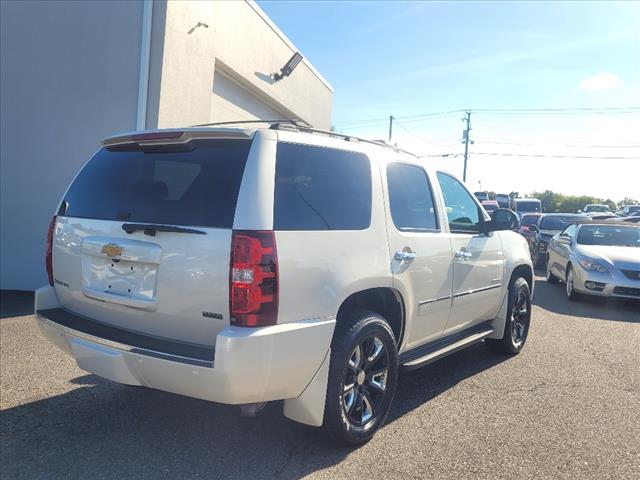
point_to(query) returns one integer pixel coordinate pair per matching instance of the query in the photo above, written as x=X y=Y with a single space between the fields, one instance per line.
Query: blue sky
x=407 y=58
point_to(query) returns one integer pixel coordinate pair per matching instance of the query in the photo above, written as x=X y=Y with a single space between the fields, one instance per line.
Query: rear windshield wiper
x=152 y=229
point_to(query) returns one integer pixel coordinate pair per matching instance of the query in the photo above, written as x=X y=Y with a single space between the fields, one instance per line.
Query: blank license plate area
x=123 y=278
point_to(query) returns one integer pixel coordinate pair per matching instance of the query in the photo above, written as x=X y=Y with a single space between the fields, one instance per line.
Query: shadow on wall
x=230 y=92
x=14 y=303
x=265 y=78
x=552 y=298
x=107 y=430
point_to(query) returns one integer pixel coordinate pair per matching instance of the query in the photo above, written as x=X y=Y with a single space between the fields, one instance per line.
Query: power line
x=499 y=111
x=451 y=155
x=575 y=145
x=540 y=155
x=385 y=121
x=404 y=117
x=556 y=110
x=395 y=120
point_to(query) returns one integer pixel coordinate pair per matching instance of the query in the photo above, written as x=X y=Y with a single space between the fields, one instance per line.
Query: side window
x=318 y=188
x=410 y=198
x=462 y=211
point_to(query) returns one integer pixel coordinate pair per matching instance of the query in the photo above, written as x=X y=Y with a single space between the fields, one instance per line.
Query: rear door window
x=410 y=198
x=196 y=187
x=320 y=188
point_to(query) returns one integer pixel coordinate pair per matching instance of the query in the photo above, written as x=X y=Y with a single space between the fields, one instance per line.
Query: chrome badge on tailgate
x=112 y=250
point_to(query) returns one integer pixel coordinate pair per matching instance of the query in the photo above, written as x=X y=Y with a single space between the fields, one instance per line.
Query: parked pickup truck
x=243 y=266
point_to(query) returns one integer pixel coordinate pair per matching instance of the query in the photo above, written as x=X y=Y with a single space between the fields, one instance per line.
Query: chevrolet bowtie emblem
x=112 y=250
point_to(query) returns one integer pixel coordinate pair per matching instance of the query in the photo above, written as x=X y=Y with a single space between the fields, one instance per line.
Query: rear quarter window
x=195 y=187
x=319 y=188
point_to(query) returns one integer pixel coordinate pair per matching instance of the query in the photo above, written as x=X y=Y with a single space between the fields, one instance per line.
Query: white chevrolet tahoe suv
x=242 y=266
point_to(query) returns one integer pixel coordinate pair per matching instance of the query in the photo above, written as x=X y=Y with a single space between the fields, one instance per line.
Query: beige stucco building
x=76 y=72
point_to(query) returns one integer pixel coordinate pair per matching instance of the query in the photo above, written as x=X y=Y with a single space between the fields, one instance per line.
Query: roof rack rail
x=243 y=122
x=303 y=126
x=306 y=128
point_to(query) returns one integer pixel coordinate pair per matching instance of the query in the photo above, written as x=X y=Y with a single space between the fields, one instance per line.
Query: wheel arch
x=385 y=301
x=568 y=266
x=525 y=271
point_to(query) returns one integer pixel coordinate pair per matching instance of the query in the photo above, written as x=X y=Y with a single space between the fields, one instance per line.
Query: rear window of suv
x=198 y=187
x=319 y=188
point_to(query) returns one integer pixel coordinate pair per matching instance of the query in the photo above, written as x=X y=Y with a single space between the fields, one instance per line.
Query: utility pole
x=390 y=127
x=465 y=137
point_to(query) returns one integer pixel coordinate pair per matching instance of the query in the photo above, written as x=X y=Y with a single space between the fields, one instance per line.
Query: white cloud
x=601 y=81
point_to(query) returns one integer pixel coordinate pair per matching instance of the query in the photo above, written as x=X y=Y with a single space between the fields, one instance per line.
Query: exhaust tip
x=252 y=409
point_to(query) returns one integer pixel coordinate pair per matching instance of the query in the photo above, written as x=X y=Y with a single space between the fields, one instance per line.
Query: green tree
x=548 y=199
x=627 y=201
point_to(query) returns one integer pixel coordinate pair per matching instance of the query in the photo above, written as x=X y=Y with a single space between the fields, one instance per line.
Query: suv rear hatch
x=143 y=237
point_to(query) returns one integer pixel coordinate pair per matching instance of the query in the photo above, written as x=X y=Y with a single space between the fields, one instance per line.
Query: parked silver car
x=596 y=258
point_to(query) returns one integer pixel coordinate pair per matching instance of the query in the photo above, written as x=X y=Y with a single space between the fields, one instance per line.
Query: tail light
x=49 y=255
x=253 y=279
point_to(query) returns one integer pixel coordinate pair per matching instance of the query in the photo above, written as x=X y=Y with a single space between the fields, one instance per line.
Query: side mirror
x=533 y=228
x=579 y=210
x=503 y=219
x=563 y=239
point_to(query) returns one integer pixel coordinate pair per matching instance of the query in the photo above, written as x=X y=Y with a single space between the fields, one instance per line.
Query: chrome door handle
x=403 y=257
x=463 y=254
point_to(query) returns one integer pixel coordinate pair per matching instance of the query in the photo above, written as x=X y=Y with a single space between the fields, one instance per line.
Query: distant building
x=73 y=73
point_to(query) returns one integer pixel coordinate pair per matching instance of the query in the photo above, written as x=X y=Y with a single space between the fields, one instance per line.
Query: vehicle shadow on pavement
x=15 y=303
x=552 y=298
x=102 y=429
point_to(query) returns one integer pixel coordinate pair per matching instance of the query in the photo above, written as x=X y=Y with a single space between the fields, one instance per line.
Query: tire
x=551 y=278
x=346 y=414
x=569 y=290
x=516 y=328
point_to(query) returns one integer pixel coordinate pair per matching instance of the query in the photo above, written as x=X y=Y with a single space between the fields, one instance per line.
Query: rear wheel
x=362 y=377
x=516 y=328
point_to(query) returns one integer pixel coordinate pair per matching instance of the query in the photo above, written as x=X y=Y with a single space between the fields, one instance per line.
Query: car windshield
x=635 y=208
x=528 y=207
x=528 y=220
x=612 y=235
x=596 y=208
x=556 y=223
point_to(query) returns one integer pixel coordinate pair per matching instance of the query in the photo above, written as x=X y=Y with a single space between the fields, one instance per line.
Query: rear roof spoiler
x=175 y=136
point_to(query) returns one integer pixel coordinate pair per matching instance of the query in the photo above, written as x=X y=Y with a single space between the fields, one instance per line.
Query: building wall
x=69 y=77
x=240 y=41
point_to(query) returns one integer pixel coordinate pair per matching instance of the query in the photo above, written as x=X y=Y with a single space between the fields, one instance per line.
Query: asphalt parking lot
x=567 y=407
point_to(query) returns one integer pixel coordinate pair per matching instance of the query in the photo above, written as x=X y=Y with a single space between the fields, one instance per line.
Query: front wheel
x=570 y=290
x=516 y=328
x=362 y=377
x=551 y=278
